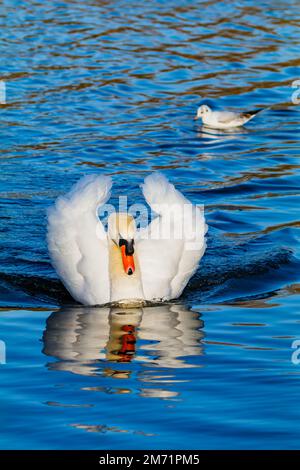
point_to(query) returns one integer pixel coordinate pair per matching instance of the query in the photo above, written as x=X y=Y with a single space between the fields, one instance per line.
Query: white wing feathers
x=77 y=240
x=170 y=249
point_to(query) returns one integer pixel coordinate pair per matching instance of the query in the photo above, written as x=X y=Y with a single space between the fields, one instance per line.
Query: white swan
x=125 y=265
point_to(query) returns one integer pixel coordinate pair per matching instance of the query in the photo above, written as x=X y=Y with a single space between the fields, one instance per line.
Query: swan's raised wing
x=170 y=249
x=77 y=240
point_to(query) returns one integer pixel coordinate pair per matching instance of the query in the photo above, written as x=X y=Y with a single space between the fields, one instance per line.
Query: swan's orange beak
x=128 y=261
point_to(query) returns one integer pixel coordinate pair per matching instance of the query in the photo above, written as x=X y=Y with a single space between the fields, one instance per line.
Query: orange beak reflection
x=128 y=261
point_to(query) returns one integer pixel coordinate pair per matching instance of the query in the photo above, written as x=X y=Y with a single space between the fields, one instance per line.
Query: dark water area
x=112 y=87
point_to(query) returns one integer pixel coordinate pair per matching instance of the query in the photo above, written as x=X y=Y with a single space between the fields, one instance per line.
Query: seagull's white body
x=223 y=119
x=88 y=259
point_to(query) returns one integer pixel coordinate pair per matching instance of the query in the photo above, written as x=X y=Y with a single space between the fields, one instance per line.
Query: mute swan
x=124 y=265
x=223 y=119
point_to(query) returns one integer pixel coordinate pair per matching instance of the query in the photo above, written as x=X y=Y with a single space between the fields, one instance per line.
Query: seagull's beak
x=195 y=118
x=127 y=258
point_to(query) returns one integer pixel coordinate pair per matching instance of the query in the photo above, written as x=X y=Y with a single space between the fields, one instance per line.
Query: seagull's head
x=202 y=111
x=121 y=230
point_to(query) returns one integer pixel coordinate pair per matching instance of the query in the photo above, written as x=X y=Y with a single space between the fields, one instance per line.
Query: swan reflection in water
x=104 y=341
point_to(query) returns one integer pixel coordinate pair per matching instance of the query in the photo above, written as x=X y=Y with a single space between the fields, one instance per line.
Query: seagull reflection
x=89 y=341
x=216 y=135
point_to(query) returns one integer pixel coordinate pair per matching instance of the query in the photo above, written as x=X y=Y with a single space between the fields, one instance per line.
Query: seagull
x=223 y=119
x=124 y=265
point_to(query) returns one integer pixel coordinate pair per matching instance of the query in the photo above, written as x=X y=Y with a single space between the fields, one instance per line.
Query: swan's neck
x=123 y=287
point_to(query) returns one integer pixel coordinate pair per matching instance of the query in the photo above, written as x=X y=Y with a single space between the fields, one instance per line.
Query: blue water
x=112 y=87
